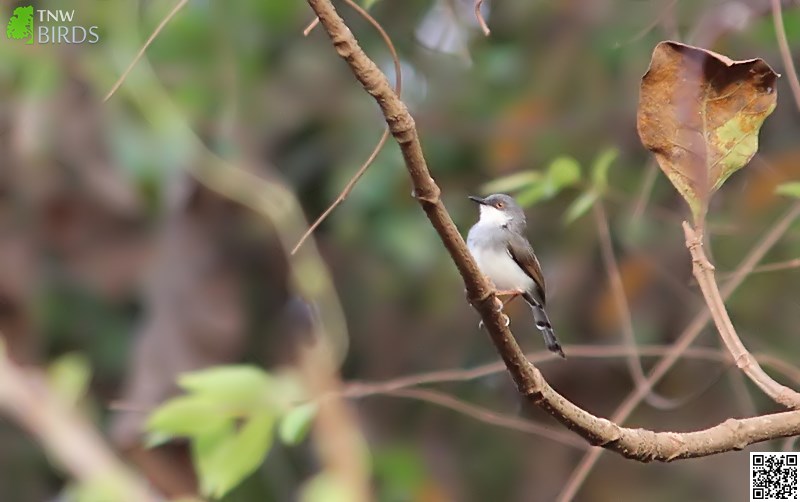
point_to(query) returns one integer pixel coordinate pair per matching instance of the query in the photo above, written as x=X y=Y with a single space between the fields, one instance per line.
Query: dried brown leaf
x=700 y=113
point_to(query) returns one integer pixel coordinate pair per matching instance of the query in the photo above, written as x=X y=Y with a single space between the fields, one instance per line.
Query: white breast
x=498 y=266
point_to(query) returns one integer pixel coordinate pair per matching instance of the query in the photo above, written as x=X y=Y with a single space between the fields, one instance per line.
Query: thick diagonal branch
x=637 y=444
x=67 y=437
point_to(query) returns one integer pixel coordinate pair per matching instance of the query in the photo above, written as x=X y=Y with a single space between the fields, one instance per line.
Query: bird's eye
x=500 y=205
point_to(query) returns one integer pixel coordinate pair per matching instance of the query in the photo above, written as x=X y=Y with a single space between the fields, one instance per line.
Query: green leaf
x=512 y=183
x=204 y=449
x=601 y=166
x=225 y=457
x=191 y=415
x=791 y=189
x=367 y=4
x=564 y=171
x=155 y=439
x=288 y=389
x=233 y=384
x=294 y=426
x=69 y=376
x=536 y=193
x=100 y=489
x=325 y=488
x=579 y=206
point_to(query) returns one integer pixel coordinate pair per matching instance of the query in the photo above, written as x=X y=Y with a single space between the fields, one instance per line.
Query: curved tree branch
x=637 y=444
x=703 y=271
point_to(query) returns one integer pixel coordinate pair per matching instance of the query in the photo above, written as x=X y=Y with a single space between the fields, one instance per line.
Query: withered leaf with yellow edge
x=700 y=113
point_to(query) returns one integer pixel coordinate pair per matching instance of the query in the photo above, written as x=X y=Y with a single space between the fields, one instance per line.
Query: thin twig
x=362 y=389
x=344 y=193
x=143 y=48
x=771 y=267
x=358 y=389
x=637 y=444
x=398 y=87
x=742 y=394
x=704 y=273
x=489 y=416
x=408 y=386
x=623 y=309
x=786 y=54
x=479 y=17
x=644 y=193
x=692 y=331
x=313 y=24
x=647 y=29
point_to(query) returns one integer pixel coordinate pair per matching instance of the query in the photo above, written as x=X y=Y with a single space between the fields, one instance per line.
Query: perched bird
x=505 y=256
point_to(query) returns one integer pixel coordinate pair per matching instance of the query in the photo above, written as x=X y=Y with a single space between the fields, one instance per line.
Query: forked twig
x=704 y=273
x=398 y=87
x=692 y=331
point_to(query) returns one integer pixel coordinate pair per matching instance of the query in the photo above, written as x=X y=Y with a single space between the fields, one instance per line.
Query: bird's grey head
x=501 y=210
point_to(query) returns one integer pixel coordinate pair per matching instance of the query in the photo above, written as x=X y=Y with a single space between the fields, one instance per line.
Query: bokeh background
x=114 y=252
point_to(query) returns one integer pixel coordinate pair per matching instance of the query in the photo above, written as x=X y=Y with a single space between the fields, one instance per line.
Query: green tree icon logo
x=20 y=26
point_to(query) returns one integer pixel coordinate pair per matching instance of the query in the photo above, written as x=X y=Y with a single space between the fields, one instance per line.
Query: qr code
x=773 y=476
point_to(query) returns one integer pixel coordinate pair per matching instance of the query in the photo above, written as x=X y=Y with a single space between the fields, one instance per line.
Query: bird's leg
x=508 y=292
x=511 y=293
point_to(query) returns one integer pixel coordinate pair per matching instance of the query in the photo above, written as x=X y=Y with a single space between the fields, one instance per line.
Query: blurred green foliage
x=533 y=187
x=229 y=413
x=791 y=189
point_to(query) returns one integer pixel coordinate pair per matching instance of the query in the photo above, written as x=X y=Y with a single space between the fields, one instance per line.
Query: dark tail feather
x=543 y=324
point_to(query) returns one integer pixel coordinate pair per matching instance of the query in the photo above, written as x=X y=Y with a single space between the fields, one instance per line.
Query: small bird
x=506 y=257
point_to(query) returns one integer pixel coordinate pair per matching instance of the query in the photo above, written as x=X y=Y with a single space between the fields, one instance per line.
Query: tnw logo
x=58 y=15
x=20 y=26
x=51 y=27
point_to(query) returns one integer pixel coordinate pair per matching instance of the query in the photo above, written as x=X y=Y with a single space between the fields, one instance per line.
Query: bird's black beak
x=475 y=198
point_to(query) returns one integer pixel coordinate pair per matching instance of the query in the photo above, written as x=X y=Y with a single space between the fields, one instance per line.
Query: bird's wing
x=522 y=253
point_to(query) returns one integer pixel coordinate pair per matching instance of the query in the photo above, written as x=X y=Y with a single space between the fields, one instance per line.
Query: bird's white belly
x=502 y=270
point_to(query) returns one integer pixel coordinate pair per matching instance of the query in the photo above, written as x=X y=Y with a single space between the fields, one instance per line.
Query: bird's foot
x=506 y=322
x=498 y=304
